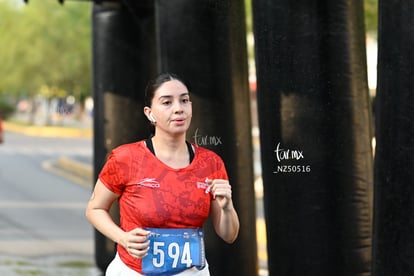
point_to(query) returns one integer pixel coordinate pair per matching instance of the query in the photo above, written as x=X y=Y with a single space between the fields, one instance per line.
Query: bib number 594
x=178 y=255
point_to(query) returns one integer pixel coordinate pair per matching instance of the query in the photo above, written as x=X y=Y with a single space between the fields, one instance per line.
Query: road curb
x=78 y=172
x=76 y=167
x=48 y=131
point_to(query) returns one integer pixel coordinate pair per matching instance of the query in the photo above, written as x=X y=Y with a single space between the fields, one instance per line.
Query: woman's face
x=171 y=108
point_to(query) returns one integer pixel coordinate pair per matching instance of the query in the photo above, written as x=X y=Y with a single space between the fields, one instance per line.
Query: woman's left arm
x=224 y=216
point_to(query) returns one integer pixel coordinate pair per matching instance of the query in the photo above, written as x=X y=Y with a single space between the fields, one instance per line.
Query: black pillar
x=394 y=159
x=204 y=42
x=315 y=136
x=123 y=61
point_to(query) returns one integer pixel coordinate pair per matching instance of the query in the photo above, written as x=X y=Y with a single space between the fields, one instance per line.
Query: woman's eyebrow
x=170 y=96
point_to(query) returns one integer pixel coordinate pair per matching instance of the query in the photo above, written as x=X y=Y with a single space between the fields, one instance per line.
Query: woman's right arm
x=97 y=213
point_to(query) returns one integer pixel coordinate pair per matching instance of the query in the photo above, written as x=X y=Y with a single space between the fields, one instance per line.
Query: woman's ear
x=148 y=113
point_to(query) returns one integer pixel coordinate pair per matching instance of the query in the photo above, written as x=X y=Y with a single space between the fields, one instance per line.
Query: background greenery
x=371 y=17
x=45 y=48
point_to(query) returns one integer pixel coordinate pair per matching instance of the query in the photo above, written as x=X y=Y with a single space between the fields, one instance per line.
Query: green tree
x=371 y=16
x=45 y=43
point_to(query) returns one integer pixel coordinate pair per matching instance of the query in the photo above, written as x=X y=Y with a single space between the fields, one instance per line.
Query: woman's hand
x=221 y=190
x=224 y=216
x=136 y=242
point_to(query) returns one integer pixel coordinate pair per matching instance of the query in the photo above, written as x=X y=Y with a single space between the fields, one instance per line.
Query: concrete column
x=123 y=61
x=394 y=159
x=315 y=135
x=204 y=42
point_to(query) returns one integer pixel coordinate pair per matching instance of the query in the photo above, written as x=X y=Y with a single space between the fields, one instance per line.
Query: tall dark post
x=315 y=136
x=123 y=61
x=394 y=159
x=204 y=41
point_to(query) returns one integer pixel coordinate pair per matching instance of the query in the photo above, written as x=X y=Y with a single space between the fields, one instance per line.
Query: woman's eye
x=166 y=102
x=186 y=100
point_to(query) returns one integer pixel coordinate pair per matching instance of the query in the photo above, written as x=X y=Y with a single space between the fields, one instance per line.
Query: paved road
x=43 y=230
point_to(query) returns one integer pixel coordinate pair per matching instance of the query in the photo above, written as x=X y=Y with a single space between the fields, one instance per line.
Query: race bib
x=174 y=250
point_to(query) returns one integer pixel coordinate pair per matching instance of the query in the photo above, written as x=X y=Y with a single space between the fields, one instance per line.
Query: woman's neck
x=172 y=151
x=169 y=143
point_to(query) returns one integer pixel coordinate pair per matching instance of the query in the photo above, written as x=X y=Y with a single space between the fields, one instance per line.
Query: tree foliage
x=44 y=43
x=371 y=16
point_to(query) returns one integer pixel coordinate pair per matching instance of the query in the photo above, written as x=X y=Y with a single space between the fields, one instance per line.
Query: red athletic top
x=156 y=195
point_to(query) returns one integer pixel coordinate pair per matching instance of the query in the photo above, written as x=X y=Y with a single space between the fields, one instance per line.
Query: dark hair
x=155 y=83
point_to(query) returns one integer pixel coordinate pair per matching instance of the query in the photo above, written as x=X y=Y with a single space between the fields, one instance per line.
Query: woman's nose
x=178 y=107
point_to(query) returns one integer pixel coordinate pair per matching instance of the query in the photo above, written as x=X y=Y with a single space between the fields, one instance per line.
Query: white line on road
x=34 y=248
x=46 y=205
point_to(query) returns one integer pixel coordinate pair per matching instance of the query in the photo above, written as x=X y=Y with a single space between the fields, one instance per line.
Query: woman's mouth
x=179 y=121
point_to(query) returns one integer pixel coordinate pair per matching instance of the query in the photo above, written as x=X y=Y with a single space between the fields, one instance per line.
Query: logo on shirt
x=204 y=185
x=149 y=182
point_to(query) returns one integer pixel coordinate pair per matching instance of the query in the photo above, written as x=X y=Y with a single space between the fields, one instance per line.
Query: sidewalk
x=48 y=266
